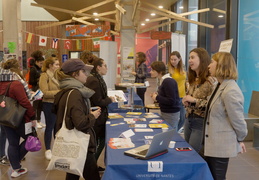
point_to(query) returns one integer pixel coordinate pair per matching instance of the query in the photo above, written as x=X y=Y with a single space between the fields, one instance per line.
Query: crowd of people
x=204 y=102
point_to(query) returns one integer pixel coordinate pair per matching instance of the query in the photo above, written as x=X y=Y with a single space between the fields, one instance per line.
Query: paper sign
x=155 y=166
x=225 y=46
x=127 y=134
x=28 y=128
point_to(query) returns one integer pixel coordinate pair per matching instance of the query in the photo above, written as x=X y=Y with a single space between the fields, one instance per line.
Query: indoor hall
x=245 y=166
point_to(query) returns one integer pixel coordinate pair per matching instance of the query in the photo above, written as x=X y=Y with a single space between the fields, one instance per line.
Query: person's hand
x=243 y=147
x=34 y=123
x=133 y=73
x=153 y=96
x=188 y=99
x=112 y=98
x=96 y=113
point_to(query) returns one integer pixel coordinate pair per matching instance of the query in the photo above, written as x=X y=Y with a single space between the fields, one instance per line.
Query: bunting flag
x=78 y=44
x=29 y=38
x=42 y=41
x=96 y=42
x=68 y=44
x=55 y=43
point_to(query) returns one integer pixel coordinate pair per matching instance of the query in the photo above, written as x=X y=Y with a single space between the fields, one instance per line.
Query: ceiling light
x=142 y=24
x=95 y=13
x=161 y=7
x=146 y=19
x=152 y=14
x=181 y=7
x=220 y=16
x=96 y=19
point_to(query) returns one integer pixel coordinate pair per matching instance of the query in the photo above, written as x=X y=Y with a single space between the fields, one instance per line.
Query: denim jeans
x=182 y=115
x=16 y=151
x=2 y=141
x=50 y=119
x=171 y=118
x=193 y=131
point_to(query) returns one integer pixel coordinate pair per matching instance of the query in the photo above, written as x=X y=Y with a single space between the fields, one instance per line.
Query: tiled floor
x=243 y=167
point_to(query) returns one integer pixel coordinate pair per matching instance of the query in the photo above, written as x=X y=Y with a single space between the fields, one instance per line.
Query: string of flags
x=30 y=37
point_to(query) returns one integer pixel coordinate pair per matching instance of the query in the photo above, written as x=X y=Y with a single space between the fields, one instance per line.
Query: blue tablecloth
x=176 y=165
x=113 y=107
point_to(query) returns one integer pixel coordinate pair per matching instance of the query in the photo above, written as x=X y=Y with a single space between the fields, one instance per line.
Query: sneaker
x=4 y=160
x=18 y=172
x=39 y=126
x=181 y=130
x=101 y=169
x=48 y=154
x=42 y=124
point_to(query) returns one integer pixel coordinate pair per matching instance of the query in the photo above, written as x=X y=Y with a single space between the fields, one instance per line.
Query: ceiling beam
x=71 y=12
x=94 y=6
x=178 y=18
x=70 y=20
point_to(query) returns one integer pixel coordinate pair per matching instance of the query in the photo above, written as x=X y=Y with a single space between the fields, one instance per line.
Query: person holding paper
x=100 y=99
x=72 y=75
x=201 y=86
x=225 y=126
x=167 y=95
x=17 y=91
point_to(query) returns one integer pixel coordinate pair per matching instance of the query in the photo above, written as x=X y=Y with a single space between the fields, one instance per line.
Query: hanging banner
x=87 y=30
x=29 y=38
x=67 y=44
x=55 y=43
x=160 y=35
x=96 y=42
x=42 y=41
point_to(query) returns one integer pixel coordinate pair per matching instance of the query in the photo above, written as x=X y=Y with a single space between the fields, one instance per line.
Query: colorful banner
x=42 y=41
x=29 y=38
x=96 y=42
x=78 y=44
x=55 y=43
x=87 y=30
x=68 y=44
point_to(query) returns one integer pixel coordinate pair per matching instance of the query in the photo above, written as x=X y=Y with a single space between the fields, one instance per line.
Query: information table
x=173 y=165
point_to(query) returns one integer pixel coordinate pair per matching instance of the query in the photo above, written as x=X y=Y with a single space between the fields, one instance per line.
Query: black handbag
x=11 y=112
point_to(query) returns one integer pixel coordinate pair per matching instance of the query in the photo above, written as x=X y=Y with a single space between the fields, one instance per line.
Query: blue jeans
x=50 y=119
x=2 y=141
x=171 y=118
x=193 y=131
x=182 y=115
x=16 y=151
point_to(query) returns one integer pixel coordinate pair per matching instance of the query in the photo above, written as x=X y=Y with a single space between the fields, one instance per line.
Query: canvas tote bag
x=70 y=149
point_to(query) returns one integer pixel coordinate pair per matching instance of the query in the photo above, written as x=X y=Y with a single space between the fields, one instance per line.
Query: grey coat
x=225 y=126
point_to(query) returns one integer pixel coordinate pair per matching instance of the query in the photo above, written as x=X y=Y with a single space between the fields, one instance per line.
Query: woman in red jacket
x=16 y=150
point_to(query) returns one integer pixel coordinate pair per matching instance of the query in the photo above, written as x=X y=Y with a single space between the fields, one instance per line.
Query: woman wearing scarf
x=100 y=98
x=16 y=150
x=72 y=75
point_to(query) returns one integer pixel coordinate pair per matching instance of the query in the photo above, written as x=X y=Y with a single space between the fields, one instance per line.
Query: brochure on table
x=118 y=95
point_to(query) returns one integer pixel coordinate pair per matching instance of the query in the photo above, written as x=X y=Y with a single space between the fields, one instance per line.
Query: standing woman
x=73 y=75
x=167 y=95
x=141 y=74
x=201 y=86
x=225 y=126
x=100 y=98
x=176 y=69
x=49 y=87
x=16 y=150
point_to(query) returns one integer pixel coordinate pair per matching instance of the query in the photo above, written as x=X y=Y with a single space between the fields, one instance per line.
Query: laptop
x=158 y=146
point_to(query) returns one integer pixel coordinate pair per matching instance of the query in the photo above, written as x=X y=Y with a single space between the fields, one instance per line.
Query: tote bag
x=70 y=149
x=11 y=112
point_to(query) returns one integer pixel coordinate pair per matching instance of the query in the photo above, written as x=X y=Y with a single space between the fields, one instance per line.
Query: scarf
x=75 y=84
x=51 y=76
x=102 y=83
x=7 y=75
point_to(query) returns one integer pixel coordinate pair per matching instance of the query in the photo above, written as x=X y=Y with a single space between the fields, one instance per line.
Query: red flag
x=68 y=44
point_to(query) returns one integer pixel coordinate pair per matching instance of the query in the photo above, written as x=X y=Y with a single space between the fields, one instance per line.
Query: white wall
x=31 y=13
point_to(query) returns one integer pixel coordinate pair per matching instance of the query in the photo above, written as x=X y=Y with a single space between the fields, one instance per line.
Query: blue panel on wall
x=248 y=49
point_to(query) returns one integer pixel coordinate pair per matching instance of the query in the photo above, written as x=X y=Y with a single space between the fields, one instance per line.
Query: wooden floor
x=243 y=167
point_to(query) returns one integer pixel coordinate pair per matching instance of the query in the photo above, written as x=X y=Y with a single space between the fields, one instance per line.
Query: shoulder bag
x=70 y=149
x=12 y=113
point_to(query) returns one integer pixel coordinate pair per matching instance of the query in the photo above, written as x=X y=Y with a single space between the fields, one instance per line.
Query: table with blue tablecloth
x=113 y=107
x=176 y=165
